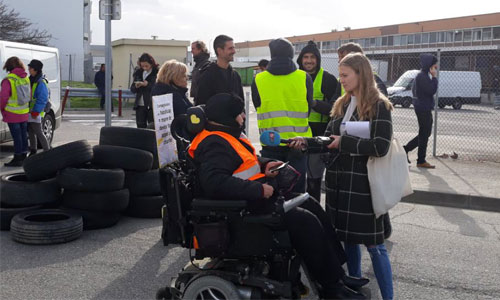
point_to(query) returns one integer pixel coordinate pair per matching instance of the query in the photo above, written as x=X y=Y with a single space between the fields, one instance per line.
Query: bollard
x=64 y=100
x=119 y=103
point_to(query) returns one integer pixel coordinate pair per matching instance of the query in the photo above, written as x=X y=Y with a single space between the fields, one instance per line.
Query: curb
x=454 y=200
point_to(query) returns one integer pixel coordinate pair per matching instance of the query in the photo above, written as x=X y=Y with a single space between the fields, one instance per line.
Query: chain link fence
x=467 y=121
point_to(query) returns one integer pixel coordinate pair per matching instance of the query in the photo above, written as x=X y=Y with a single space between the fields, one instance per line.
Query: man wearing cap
x=324 y=86
x=39 y=99
x=228 y=168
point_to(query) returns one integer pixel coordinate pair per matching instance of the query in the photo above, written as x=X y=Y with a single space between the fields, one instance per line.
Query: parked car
x=455 y=88
x=52 y=70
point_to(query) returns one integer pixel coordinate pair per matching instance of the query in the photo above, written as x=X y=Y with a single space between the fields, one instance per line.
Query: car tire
x=46 y=226
x=48 y=127
x=457 y=103
x=115 y=201
x=46 y=164
x=17 y=191
x=145 y=206
x=406 y=102
x=91 y=180
x=7 y=213
x=122 y=157
x=138 y=138
x=95 y=219
x=143 y=183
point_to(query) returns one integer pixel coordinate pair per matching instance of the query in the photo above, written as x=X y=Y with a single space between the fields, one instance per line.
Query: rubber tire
x=457 y=104
x=115 y=201
x=17 y=191
x=227 y=288
x=26 y=231
x=145 y=206
x=6 y=214
x=143 y=183
x=91 y=180
x=129 y=159
x=46 y=164
x=48 y=127
x=406 y=102
x=138 y=138
x=96 y=220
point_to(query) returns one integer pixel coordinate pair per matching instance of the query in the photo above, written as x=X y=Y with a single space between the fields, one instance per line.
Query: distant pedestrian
x=219 y=77
x=15 y=113
x=100 y=83
x=144 y=80
x=200 y=56
x=424 y=87
x=39 y=99
x=263 y=64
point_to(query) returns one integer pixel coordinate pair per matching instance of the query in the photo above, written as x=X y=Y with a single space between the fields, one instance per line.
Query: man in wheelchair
x=257 y=260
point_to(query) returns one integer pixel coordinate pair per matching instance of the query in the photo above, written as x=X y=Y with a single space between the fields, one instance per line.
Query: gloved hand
x=34 y=114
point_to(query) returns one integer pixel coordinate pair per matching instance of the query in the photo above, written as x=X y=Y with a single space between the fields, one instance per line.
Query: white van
x=52 y=70
x=455 y=88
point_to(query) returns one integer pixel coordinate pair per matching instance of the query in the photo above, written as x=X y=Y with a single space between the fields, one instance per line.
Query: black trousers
x=424 y=132
x=314 y=238
x=143 y=116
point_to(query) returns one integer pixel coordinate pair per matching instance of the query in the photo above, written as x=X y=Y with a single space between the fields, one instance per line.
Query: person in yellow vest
x=39 y=99
x=283 y=97
x=15 y=113
x=228 y=168
x=324 y=86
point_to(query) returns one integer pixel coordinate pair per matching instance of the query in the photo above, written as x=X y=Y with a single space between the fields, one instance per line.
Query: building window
x=418 y=38
x=372 y=42
x=441 y=37
x=411 y=38
x=390 y=40
x=378 y=41
x=467 y=35
x=384 y=41
x=449 y=36
x=367 y=43
x=336 y=45
x=404 y=40
x=496 y=33
x=433 y=37
x=476 y=35
x=425 y=38
x=458 y=35
x=345 y=42
x=397 y=40
x=487 y=34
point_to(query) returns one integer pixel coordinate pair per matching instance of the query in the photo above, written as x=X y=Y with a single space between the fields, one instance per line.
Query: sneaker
x=426 y=165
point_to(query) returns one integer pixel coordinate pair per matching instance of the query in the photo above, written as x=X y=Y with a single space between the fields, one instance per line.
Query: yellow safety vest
x=12 y=105
x=284 y=106
x=33 y=99
x=315 y=117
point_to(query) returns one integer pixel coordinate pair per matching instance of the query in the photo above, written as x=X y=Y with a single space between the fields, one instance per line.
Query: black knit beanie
x=224 y=108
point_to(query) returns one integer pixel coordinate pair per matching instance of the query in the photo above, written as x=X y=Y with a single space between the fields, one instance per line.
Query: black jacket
x=99 y=81
x=180 y=100
x=144 y=91
x=216 y=161
x=424 y=87
x=215 y=80
x=201 y=63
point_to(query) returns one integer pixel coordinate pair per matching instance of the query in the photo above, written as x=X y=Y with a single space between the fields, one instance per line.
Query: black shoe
x=387 y=226
x=17 y=161
x=355 y=283
x=407 y=159
x=342 y=292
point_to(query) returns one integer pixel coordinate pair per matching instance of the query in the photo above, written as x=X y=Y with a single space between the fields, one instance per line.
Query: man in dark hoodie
x=283 y=97
x=200 y=56
x=324 y=86
x=219 y=77
x=424 y=87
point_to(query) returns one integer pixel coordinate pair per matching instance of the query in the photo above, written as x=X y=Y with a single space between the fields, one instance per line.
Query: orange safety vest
x=249 y=169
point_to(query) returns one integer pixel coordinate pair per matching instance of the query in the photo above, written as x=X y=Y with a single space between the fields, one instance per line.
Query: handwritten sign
x=163 y=112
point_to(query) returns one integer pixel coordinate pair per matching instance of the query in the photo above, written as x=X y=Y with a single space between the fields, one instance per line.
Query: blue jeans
x=297 y=159
x=19 y=132
x=380 y=262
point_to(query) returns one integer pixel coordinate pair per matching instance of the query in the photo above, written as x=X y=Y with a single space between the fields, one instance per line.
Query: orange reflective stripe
x=249 y=169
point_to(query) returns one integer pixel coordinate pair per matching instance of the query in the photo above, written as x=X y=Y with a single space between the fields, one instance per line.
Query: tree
x=16 y=29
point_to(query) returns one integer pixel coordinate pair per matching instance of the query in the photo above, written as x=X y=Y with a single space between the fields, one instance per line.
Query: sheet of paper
x=360 y=129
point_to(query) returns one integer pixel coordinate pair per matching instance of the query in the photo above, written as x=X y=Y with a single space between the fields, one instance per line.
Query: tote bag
x=389 y=178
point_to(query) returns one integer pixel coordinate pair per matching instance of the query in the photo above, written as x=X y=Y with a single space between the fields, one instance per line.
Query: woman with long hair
x=144 y=80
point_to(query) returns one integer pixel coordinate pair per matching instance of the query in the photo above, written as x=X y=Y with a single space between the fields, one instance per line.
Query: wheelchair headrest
x=196 y=119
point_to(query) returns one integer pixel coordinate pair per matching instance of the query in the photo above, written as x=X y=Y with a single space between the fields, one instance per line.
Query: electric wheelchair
x=234 y=254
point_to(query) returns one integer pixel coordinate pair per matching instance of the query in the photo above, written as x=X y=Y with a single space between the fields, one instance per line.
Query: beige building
x=127 y=51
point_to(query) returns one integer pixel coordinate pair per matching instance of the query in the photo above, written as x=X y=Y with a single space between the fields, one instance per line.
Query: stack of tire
x=133 y=150
x=23 y=194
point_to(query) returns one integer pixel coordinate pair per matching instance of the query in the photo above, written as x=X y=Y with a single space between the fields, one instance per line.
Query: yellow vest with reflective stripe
x=33 y=99
x=318 y=95
x=12 y=105
x=284 y=106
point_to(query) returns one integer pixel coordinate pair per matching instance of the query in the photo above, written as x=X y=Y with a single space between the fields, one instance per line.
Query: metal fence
x=467 y=121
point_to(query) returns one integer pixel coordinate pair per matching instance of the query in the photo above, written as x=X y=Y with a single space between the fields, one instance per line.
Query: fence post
x=247 y=112
x=66 y=93
x=436 y=104
x=119 y=102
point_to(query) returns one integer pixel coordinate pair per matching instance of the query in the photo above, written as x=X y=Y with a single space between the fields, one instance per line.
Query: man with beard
x=200 y=56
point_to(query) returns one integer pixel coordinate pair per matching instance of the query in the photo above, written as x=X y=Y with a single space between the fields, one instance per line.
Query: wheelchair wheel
x=211 y=287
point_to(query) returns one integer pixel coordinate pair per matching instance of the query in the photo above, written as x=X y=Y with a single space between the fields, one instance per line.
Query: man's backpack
x=22 y=86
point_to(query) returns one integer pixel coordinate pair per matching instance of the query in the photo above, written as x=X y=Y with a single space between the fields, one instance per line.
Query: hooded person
x=324 y=88
x=283 y=97
x=228 y=168
x=424 y=87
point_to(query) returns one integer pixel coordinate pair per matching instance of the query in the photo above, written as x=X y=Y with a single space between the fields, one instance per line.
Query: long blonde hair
x=170 y=71
x=368 y=93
